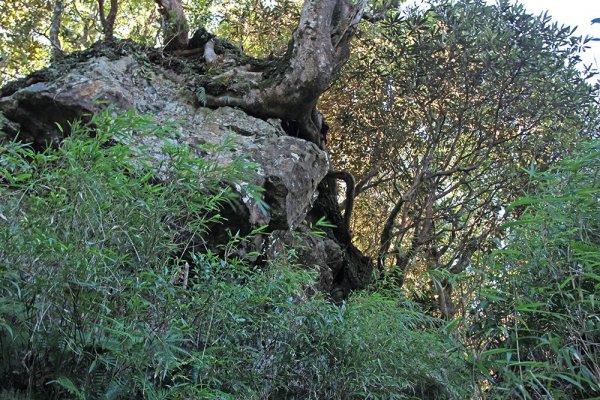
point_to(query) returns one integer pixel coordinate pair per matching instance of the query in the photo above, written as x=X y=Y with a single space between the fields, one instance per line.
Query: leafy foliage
x=536 y=324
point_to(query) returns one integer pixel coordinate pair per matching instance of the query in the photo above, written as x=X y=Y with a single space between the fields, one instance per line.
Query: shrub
x=537 y=319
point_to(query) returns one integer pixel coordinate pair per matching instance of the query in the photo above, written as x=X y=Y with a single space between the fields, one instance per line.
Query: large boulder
x=288 y=168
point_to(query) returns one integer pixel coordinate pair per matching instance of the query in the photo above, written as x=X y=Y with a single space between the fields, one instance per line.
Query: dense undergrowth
x=105 y=293
x=536 y=318
x=102 y=298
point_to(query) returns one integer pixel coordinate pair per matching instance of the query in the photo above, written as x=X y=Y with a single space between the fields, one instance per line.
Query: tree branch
x=386 y=234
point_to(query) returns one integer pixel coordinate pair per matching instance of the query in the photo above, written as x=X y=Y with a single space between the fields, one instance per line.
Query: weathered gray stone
x=289 y=168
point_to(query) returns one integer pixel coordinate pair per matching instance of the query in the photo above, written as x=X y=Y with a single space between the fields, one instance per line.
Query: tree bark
x=108 y=21
x=175 y=26
x=357 y=270
x=59 y=8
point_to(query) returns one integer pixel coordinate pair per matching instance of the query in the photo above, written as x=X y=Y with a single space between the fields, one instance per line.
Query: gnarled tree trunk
x=286 y=88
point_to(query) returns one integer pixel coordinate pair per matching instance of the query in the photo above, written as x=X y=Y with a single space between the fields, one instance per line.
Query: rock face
x=290 y=169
